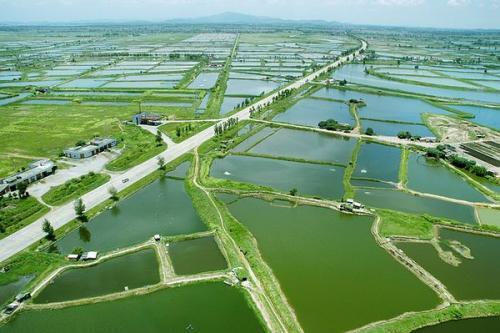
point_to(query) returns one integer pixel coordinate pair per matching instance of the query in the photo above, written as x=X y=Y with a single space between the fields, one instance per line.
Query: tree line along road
x=62 y=215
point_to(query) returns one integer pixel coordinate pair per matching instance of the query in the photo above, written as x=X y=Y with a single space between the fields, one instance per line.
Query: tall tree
x=49 y=230
x=79 y=209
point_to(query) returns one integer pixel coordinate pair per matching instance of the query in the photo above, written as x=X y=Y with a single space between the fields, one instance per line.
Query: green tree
x=22 y=187
x=161 y=162
x=158 y=138
x=369 y=131
x=294 y=191
x=79 y=209
x=77 y=250
x=113 y=192
x=49 y=230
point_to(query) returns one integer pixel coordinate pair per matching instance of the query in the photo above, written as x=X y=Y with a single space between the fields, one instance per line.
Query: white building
x=35 y=171
x=95 y=146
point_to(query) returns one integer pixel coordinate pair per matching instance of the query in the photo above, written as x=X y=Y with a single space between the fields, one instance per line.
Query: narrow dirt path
x=411 y=265
x=257 y=289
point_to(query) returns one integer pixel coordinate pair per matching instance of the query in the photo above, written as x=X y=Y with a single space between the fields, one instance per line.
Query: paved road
x=60 y=216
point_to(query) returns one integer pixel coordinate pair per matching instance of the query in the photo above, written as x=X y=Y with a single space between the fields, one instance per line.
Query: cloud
x=457 y=3
x=400 y=2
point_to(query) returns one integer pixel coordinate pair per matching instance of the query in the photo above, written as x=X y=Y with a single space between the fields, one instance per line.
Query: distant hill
x=238 y=18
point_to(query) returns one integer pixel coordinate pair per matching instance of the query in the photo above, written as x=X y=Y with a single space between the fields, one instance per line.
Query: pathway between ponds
x=411 y=265
x=255 y=287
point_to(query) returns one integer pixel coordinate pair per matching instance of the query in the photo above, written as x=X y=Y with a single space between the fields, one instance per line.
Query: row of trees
x=458 y=161
x=228 y=124
x=179 y=130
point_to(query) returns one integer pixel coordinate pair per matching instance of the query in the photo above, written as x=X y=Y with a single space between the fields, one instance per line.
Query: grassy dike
x=409 y=322
x=349 y=170
x=217 y=94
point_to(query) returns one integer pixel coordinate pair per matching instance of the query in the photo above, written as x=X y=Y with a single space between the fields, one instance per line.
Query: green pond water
x=307 y=178
x=196 y=256
x=428 y=176
x=378 y=162
x=329 y=266
x=385 y=107
x=162 y=207
x=181 y=170
x=483 y=325
x=307 y=145
x=405 y=202
x=370 y=183
x=254 y=139
x=9 y=290
x=309 y=112
x=474 y=278
x=132 y=270
x=489 y=216
x=392 y=129
x=204 y=307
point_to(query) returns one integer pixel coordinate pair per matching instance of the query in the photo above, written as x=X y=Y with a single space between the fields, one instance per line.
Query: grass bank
x=74 y=188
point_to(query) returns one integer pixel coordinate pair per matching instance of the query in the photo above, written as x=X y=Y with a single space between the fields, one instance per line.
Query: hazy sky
x=433 y=13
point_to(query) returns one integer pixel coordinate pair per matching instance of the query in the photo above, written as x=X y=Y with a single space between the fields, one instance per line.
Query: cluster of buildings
x=350 y=205
x=94 y=147
x=85 y=256
x=35 y=171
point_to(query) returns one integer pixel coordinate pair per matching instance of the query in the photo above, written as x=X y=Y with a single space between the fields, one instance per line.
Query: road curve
x=62 y=215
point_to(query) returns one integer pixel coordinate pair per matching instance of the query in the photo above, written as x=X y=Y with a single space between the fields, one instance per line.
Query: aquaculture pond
x=356 y=74
x=203 y=307
x=377 y=161
x=196 y=256
x=47 y=102
x=181 y=170
x=229 y=103
x=392 y=129
x=473 y=278
x=309 y=112
x=307 y=178
x=204 y=81
x=483 y=325
x=9 y=290
x=442 y=81
x=329 y=266
x=83 y=83
x=250 y=87
x=307 y=145
x=385 y=107
x=114 y=275
x=429 y=176
x=162 y=207
x=254 y=139
x=8 y=100
x=405 y=202
x=489 y=117
x=140 y=84
x=489 y=216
